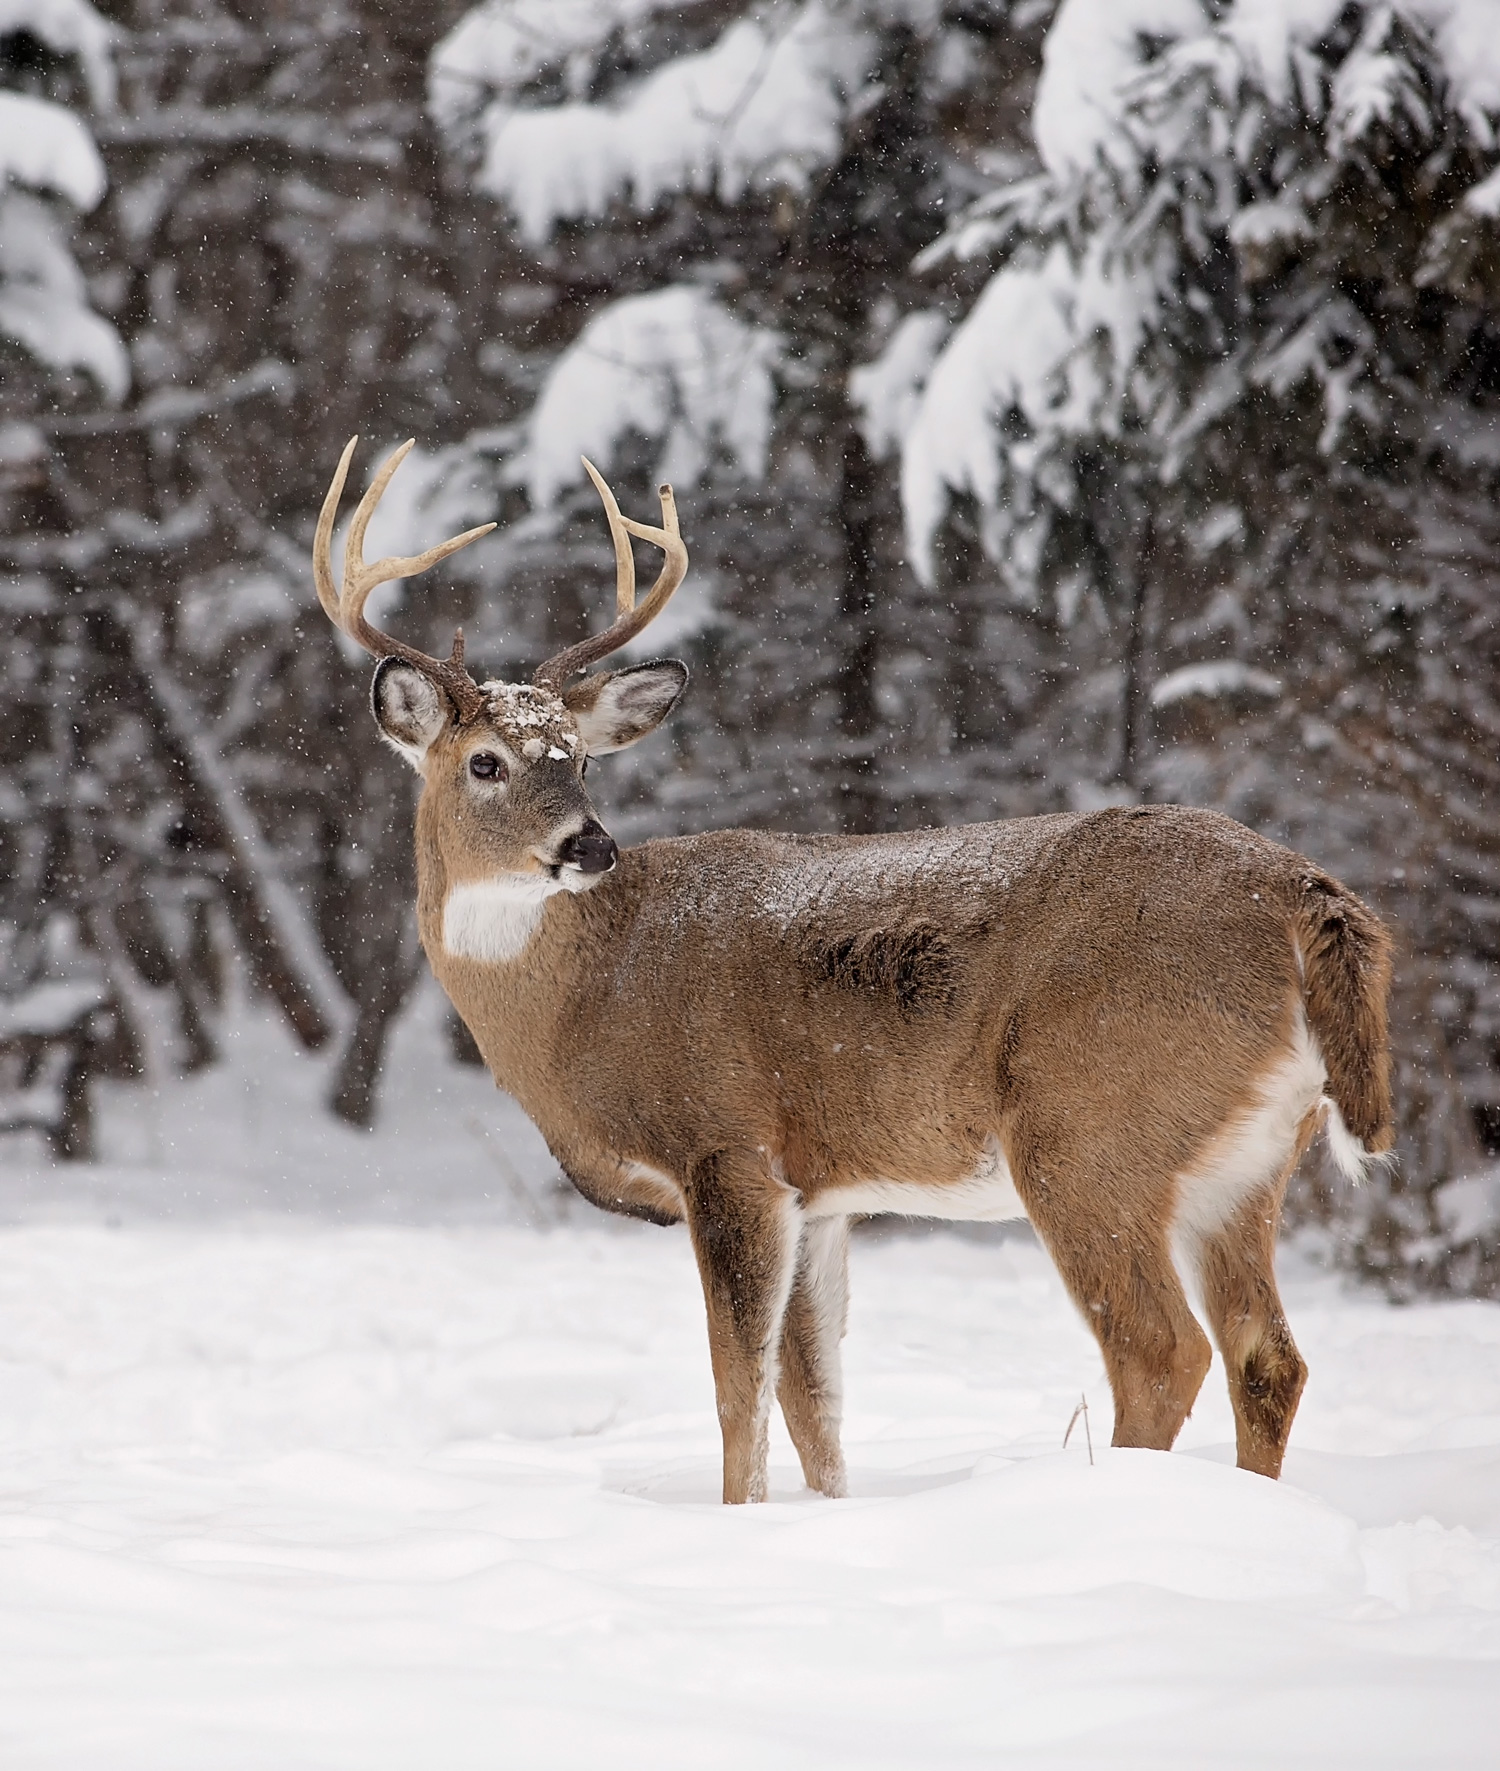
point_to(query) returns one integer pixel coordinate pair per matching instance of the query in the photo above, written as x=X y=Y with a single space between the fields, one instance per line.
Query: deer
x=1125 y=1026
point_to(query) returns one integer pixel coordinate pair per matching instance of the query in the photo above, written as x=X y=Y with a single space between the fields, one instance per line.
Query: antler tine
x=328 y=592
x=359 y=578
x=620 y=535
x=631 y=618
x=345 y=605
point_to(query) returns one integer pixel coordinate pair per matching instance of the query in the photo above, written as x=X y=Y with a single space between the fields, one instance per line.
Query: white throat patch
x=494 y=919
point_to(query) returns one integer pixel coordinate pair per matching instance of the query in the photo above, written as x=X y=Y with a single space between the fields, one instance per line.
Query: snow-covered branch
x=47 y=153
x=675 y=366
x=765 y=105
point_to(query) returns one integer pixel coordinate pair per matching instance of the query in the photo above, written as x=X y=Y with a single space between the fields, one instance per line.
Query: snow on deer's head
x=502 y=764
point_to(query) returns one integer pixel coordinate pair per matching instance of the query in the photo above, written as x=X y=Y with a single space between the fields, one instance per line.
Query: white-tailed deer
x=1125 y=1025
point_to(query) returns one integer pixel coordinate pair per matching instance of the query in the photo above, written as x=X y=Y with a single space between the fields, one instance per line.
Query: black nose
x=592 y=850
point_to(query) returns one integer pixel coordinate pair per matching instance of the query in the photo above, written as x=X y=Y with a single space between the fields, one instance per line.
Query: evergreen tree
x=269 y=255
x=1232 y=380
x=722 y=208
x=61 y=1010
x=1184 y=375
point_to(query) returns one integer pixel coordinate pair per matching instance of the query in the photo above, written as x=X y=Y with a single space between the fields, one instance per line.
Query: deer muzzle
x=591 y=850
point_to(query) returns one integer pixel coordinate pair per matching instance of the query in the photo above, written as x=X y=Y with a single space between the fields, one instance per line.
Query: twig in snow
x=1088 y=1437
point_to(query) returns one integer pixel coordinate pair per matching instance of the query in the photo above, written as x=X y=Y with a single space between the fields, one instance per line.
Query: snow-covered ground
x=316 y=1454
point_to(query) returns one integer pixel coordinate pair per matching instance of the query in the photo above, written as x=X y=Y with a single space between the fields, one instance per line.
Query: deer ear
x=617 y=707
x=409 y=708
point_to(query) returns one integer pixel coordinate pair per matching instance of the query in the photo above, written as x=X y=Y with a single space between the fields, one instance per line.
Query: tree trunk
x=1135 y=708
x=977 y=704
x=72 y=1139
x=1117 y=545
x=859 y=718
x=353 y=1094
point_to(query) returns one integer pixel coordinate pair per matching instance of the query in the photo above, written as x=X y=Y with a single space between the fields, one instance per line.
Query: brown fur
x=915 y=964
x=1346 y=954
x=1266 y=1372
x=808 y=1382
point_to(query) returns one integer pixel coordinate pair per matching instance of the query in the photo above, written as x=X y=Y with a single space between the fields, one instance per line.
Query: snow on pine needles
x=314 y=1455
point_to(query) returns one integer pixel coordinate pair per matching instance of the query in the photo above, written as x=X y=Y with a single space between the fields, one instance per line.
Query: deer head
x=502 y=764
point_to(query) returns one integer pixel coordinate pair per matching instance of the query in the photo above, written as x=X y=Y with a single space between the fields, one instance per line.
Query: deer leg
x=810 y=1383
x=745 y=1230
x=1266 y=1372
x=1124 y=1283
x=1236 y=1267
x=1155 y=1353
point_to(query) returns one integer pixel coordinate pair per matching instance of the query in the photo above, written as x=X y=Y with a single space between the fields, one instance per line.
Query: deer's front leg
x=745 y=1226
x=810 y=1383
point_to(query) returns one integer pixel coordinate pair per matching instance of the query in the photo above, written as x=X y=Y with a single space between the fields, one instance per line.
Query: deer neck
x=514 y=965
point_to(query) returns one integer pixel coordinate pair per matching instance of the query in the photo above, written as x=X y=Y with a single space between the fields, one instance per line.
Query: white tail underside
x=1251 y=1153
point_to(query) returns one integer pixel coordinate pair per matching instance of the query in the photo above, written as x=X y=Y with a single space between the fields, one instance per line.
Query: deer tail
x=1346 y=975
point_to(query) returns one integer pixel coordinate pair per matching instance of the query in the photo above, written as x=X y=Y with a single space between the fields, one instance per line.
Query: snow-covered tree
x=1234 y=386
x=49 y=165
x=61 y=1015
x=1191 y=386
x=176 y=785
x=720 y=205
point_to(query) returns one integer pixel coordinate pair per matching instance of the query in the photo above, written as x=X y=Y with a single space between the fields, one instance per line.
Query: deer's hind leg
x=1237 y=1271
x=810 y=1382
x=745 y=1228
x=1118 y=1268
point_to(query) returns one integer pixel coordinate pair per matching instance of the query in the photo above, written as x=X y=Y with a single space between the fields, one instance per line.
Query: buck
x=1125 y=1025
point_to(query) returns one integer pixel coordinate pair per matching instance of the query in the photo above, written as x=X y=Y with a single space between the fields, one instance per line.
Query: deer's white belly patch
x=493 y=919
x=986 y=1196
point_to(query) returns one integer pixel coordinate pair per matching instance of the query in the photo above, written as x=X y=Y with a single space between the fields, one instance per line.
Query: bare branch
x=174 y=407
x=272 y=925
x=307 y=133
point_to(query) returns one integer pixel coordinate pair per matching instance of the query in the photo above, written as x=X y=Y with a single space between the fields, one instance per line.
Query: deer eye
x=484 y=765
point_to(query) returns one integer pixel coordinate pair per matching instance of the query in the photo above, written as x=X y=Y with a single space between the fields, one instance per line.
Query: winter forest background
x=1068 y=405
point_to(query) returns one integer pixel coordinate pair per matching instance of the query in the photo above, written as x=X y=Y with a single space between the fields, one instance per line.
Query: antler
x=630 y=618
x=346 y=607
